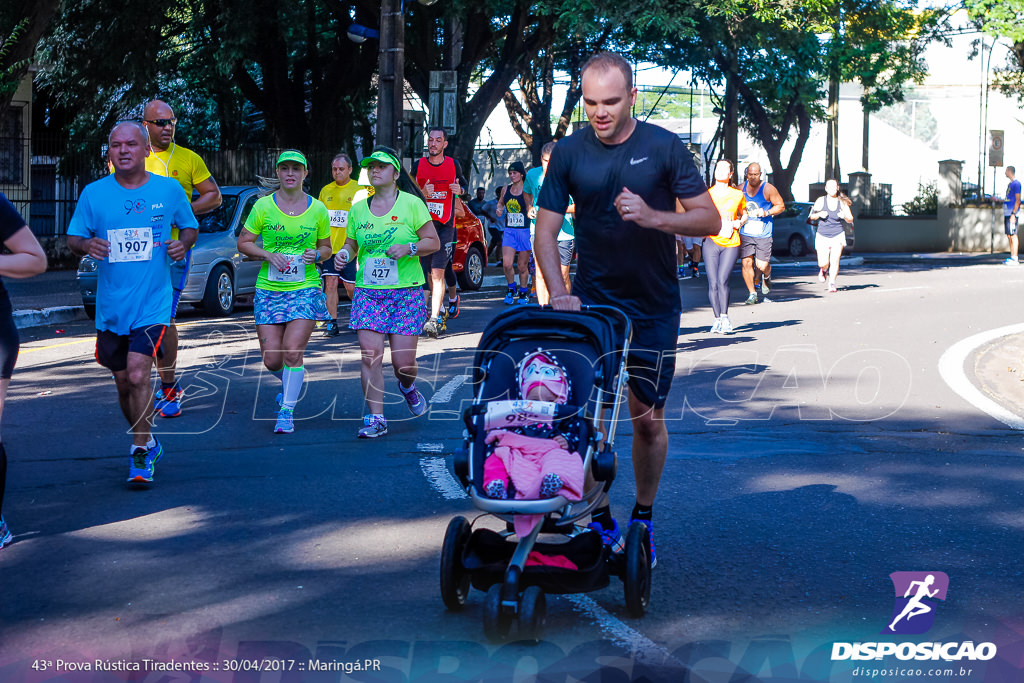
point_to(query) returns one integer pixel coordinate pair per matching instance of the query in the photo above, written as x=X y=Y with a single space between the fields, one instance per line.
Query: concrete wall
x=954 y=228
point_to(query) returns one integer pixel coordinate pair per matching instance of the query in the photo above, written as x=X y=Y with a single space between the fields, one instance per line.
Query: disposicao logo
x=914 y=609
x=913 y=613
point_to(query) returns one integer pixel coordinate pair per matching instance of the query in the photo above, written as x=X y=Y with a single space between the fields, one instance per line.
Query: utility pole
x=391 y=85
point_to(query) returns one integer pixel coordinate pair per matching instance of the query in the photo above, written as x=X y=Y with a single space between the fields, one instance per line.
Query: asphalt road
x=813 y=453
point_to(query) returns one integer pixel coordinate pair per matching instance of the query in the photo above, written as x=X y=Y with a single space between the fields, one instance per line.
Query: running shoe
x=441 y=325
x=373 y=427
x=682 y=273
x=430 y=329
x=832 y=288
x=610 y=537
x=821 y=274
x=510 y=297
x=717 y=327
x=725 y=327
x=524 y=297
x=170 y=405
x=5 y=534
x=143 y=464
x=751 y=299
x=650 y=531
x=285 y=421
x=766 y=284
x=453 y=307
x=1010 y=261
x=417 y=404
x=696 y=273
x=331 y=329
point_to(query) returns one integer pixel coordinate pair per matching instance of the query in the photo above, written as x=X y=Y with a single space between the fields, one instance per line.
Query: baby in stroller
x=539 y=456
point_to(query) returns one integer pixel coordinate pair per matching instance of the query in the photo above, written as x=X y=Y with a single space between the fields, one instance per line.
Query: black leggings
x=9 y=343
x=718 y=263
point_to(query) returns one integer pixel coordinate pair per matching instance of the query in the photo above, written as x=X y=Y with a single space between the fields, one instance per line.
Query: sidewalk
x=49 y=298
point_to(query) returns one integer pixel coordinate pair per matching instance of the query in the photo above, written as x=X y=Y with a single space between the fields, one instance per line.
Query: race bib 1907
x=130 y=244
x=381 y=271
x=295 y=271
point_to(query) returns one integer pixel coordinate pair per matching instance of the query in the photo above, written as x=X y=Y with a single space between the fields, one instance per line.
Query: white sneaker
x=717 y=327
x=821 y=274
x=1011 y=262
x=725 y=327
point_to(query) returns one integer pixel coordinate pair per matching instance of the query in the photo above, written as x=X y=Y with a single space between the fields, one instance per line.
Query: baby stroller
x=591 y=346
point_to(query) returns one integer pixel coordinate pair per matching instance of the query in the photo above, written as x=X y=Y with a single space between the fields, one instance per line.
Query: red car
x=470 y=254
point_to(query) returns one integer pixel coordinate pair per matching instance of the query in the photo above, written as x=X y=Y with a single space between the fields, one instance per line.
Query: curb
x=48 y=316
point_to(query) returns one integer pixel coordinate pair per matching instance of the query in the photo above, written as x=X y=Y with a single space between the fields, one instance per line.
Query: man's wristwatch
x=413 y=248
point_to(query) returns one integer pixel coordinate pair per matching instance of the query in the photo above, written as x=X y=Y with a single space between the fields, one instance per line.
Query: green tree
x=777 y=66
x=21 y=26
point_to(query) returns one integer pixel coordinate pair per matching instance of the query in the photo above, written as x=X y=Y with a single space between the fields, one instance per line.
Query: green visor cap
x=292 y=155
x=382 y=157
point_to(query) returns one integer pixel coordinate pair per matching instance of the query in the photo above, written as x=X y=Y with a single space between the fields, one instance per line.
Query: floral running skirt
x=389 y=311
x=277 y=308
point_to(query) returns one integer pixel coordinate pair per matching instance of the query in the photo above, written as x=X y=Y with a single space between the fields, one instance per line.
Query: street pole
x=390 y=98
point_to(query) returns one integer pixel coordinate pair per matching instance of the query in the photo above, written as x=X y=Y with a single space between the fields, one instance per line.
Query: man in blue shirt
x=1011 y=215
x=124 y=221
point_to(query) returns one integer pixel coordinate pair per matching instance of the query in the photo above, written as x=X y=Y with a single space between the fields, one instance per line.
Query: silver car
x=219 y=274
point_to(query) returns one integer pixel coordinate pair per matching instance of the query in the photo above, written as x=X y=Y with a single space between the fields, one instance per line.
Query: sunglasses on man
x=160 y=123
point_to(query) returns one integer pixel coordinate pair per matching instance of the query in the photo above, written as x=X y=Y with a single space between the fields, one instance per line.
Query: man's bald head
x=121 y=127
x=159 y=119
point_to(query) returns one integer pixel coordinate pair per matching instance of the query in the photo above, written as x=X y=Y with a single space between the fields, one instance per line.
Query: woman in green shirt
x=296 y=232
x=387 y=233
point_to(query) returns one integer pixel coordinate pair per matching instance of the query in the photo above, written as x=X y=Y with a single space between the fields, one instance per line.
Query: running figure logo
x=914 y=608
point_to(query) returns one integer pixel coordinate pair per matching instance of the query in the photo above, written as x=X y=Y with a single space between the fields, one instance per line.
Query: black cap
x=518 y=167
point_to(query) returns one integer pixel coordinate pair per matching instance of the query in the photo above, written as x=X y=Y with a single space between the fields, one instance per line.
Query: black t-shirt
x=10 y=223
x=620 y=263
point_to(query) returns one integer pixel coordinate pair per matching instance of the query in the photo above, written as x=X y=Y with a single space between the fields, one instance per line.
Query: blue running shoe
x=372 y=427
x=143 y=464
x=524 y=297
x=611 y=537
x=510 y=297
x=285 y=421
x=414 y=399
x=171 y=402
x=453 y=308
x=5 y=534
x=650 y=532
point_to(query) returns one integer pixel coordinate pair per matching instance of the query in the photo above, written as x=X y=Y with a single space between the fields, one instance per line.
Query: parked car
x=470 y=255
x=219 y=275
x=793 y=233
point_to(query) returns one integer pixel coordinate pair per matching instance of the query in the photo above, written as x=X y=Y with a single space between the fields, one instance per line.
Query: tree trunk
x=39 y=14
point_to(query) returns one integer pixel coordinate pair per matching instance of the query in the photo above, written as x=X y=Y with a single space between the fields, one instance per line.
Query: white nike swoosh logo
x=634 y=162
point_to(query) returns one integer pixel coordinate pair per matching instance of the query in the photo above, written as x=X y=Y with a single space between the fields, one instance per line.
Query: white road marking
x=640 y=645
x=951 y=367
x=441 y=480
x=430 y=447
x=445 y=393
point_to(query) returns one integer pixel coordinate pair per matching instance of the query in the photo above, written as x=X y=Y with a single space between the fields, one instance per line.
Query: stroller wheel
x=637 y=577
x=454 y=577
x=533 y=611
x=497 y=624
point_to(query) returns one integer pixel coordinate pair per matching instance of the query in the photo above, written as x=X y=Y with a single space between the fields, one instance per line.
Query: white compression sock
x=291 y=380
